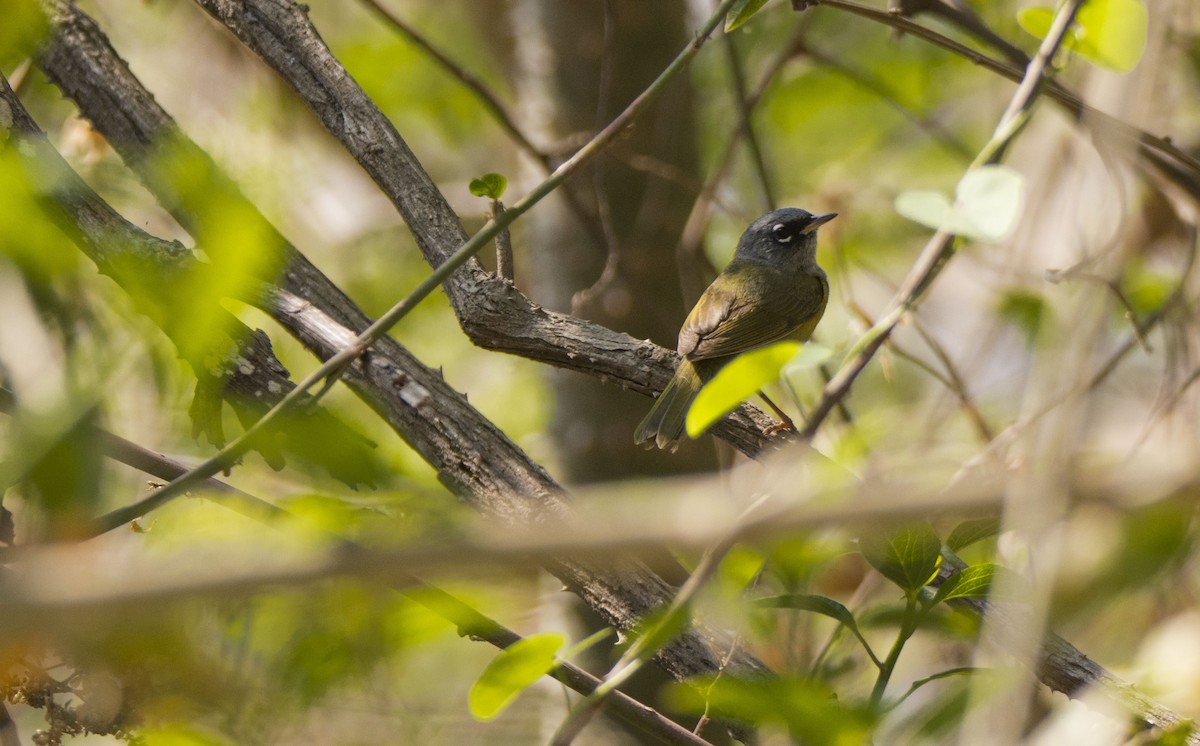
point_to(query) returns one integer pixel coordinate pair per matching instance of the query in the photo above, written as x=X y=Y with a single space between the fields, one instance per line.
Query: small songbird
x=772 y=289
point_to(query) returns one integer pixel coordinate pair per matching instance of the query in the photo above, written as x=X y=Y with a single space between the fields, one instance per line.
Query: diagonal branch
x=497 y=477
x=468 y=619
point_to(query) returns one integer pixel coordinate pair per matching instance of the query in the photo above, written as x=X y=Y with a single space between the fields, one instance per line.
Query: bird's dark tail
x=663 y=424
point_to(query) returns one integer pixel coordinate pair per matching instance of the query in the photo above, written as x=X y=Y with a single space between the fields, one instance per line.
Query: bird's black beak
x=817 y=221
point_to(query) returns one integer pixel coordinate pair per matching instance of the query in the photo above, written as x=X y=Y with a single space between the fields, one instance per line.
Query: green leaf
x=810 y=602
x=818 y=605
x=1146 y=290
x=1179 y=734
x=736 y=383
x=928 y=207
x=986 y=206
x=512 y=672
x=1036 y=21
x=909 y=557
x=1109 y=33
x=741 y=567
x=812 y=712
x=741 y=12
x=973 y=582
x=1112 y=33
x=1025 y=310
x=491 y=185
x=988 y=202
x=180 y=735
x=969 y=532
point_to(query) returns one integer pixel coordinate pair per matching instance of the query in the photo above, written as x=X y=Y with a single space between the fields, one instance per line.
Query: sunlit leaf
x=1112 y=33
x=928 y=207
x=741 y=566
x=988 y=202
x=1036 y=20
x=742 y=11
x=908 y=556
x=180 y=735
x=511 y=672
x=1109 y=33
x=1146 y=289
x=240 y=246
x=973 y=582
x=737 y=382
x=491 y=185
x=986 y=206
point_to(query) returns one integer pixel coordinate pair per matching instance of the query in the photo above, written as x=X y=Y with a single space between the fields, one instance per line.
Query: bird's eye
x=781 y=233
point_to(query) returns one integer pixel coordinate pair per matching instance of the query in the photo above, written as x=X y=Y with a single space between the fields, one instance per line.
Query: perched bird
x=772 y=289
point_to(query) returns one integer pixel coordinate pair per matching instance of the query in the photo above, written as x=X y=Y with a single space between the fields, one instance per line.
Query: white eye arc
x=781 y=233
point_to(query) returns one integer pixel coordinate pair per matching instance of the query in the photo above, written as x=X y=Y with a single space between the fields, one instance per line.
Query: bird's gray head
x=788 y=235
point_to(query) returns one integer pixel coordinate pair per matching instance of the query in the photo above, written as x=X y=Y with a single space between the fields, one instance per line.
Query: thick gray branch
x=473 y=458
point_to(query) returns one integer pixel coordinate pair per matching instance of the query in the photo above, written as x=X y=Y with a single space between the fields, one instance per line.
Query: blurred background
x=1055 y=363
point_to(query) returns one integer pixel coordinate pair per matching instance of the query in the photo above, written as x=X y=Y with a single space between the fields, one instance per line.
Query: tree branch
x=467 y=619
x=497 y=478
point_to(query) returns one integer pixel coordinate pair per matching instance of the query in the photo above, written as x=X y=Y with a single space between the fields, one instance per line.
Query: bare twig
x=742 y=98
x=504 y=250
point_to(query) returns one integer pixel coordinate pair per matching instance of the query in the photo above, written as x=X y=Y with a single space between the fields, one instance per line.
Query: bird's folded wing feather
x=725 y=323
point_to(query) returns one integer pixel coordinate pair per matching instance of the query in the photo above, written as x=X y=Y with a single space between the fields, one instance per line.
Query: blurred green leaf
x=812 y=713
x=242 y=250
x=818 y=605
x=1025 y=310
x=1146 y=289
x=737 y=382
x=907 y=556
x=27 y=236
x=794 y=559
x=928 y=207
x=968 y=532
x=1179 y=734
x=490 y=185
x=986 y=207
x=180 y=735
x=1109 y=33
x=1154 y=537
x=740 y=567
x=972 y=582
x=1036 y=20
x=511 y=672
x=1112 y=33
x=23 y=27
x=660 y=627
x=742 y=11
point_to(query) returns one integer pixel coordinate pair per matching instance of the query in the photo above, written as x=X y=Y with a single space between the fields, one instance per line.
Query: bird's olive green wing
x=734 y=316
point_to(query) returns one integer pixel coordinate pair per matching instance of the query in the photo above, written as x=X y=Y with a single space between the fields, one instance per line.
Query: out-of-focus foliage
x=861 y=625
